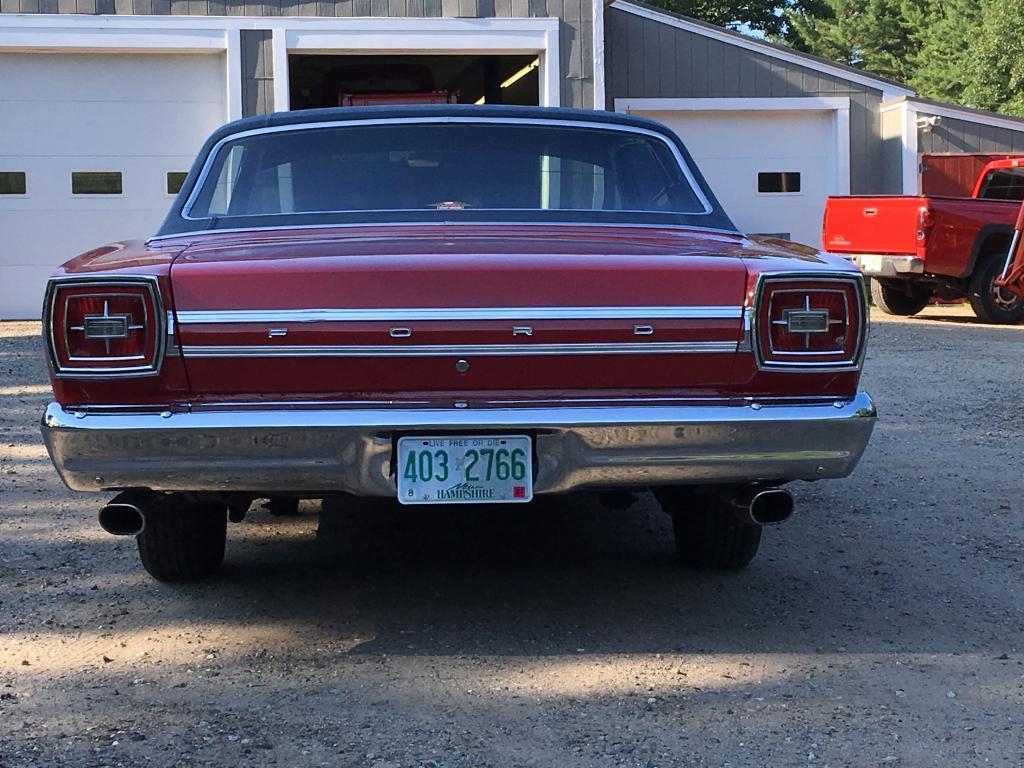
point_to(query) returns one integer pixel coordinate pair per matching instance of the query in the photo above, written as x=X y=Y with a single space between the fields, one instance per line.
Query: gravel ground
x=882 y=626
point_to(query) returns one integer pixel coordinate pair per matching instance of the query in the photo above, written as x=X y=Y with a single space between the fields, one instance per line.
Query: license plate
x=871 y=263
x=464 y=470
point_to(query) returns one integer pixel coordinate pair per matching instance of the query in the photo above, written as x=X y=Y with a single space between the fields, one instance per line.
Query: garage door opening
x=320 y=80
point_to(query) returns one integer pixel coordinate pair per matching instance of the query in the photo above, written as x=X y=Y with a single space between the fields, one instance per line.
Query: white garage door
x=771 y=170
x=87 y=144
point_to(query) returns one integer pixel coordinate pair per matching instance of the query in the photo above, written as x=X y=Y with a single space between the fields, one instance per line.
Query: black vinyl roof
x=335 y=114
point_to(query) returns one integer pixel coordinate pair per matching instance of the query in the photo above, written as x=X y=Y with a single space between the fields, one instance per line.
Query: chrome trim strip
x=627 y=445
x=747 y=342
x=442 y=402
x=186 y=209
x=284 y=316
x=483 y=224
x=479 y=350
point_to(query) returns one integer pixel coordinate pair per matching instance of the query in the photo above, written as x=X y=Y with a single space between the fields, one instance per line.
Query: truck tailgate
x=886 y=224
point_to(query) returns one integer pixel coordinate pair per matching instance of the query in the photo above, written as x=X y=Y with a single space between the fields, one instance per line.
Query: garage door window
x=13 y=183
x=97 y=183
x=778 y=182
x=175 y=180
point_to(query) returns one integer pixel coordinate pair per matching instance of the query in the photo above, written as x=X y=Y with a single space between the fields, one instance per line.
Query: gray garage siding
x=575 y=38
x=257 y=72
x=949 y=135
x=892 y=153
x=646 y=59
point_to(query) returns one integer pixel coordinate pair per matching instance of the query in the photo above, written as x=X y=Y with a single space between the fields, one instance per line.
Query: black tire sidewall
x=893 y=300
x=708 y=533
x=983 y=302
x=182 y=540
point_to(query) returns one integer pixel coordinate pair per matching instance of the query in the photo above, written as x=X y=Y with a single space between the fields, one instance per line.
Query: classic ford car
x=450 y=305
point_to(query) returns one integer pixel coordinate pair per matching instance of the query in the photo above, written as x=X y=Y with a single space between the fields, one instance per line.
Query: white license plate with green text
x=464 y=470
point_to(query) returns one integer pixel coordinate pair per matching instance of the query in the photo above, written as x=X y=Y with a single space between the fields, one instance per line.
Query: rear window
x=1003 y=184
x=444 y=166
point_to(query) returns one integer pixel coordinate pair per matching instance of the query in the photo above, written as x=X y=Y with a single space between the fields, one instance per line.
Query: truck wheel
x=990 y=303
x=709 y=535
x=182 y=540
x=898 y=300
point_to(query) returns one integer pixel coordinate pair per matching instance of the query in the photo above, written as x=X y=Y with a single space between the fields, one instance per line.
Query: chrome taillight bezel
x=151 y=289
x=805 y=362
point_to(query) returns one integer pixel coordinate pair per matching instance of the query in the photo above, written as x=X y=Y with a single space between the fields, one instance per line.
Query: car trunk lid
x=373 y=311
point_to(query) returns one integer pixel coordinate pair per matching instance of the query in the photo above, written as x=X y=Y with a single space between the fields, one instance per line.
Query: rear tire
x=992 y=304
x=709 y=534
x=280 y=506
x=182 y=540
x=894 y=299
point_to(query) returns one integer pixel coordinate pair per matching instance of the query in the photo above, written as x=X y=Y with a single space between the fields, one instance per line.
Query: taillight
x=925 y=222
x=809 y=322
x=104 y=326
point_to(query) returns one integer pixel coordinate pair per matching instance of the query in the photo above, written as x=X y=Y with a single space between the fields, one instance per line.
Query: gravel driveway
x=883 y=625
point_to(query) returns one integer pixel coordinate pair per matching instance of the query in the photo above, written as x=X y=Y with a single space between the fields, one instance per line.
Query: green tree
x=944 y=34
x=968 y=52
x=874 y=35
x=760 y=16
x=994 y=67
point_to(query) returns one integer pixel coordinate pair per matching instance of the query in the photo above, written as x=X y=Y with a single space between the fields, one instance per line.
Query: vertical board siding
x=257 y=72
x=949 y=135
x=645 y=59
x=697 y=81
x=891 y=124
x=669 y=54
x=866 y=172
x=576 y=37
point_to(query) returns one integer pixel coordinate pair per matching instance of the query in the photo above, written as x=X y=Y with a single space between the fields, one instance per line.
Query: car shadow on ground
x=564 y=573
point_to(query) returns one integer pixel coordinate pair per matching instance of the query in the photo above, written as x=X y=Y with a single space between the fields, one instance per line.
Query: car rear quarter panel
x=170 y=386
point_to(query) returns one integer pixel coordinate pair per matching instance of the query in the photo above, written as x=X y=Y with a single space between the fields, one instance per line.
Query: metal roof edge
x=968 y=114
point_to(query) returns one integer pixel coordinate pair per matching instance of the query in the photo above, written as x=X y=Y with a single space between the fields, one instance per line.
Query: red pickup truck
x=917 y=248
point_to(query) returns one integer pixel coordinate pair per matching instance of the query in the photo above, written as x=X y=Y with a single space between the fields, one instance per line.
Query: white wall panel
x=732 y=147
x=142 y=115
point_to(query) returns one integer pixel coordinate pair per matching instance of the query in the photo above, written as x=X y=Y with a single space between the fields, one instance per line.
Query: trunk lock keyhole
x=462 y=366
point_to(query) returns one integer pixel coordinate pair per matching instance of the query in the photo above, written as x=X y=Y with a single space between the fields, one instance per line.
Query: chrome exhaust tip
x=122 y=515
x=768 y=507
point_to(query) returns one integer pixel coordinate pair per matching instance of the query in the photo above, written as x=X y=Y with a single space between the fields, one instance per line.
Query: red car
x=448 y=305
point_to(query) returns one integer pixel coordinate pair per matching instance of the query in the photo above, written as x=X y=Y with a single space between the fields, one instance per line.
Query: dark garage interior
x=319 y=80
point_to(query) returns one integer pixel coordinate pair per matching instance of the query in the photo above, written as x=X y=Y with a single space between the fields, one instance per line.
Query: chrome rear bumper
x=322 y=449
x=875 y=265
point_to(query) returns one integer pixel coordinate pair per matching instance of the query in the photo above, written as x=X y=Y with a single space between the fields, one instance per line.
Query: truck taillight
x=925 y=222
x=104 y=326
x=809 y=322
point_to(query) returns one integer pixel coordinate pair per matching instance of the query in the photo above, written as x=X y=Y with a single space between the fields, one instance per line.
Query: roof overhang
x=956 y=112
